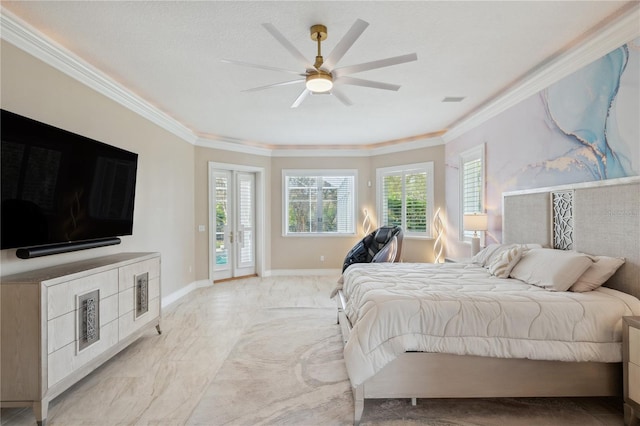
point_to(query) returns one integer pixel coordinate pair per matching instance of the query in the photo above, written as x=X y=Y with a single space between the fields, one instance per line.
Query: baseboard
x=178 y=294
x=289 y=272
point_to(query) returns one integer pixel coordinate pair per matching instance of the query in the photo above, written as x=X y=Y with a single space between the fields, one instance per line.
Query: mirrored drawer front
x=62 y=329
x=128 y=323
x=128 y=273
x=62 y=297
x=65 y=360
x=130 y=299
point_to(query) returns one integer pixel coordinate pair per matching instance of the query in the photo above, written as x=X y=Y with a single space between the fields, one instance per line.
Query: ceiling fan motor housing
x=318 y=31
x=319 y=82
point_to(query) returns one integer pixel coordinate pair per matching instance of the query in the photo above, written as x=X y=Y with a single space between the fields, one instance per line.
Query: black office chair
x=382 y=245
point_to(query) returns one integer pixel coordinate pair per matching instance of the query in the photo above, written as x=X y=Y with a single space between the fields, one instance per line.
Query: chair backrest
x=382 y=245
x=387 y=253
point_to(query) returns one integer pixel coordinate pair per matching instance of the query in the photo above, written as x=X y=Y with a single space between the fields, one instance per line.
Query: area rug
x=288 y=369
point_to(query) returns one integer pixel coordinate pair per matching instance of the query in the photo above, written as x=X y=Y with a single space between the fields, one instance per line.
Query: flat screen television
x=60 y=189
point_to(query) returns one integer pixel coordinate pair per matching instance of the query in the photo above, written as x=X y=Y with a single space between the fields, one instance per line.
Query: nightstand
x=631 y=369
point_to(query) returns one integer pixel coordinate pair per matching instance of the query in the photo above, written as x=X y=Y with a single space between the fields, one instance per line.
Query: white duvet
x=459 y=308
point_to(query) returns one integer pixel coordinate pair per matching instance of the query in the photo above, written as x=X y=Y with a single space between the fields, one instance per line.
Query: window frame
x=473 y=154
x=404 y=169
x=318 y=173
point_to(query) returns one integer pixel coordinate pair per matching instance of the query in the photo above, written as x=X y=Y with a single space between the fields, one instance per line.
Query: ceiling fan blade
x=287 y=45
x=300 y=98
x=269 y=86
x=366 y=83
x=345 y=44
x=380 y=63
x=264 y=67
x=341 y=96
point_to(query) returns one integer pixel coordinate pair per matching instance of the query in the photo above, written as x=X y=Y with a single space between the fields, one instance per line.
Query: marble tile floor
x=267 y=351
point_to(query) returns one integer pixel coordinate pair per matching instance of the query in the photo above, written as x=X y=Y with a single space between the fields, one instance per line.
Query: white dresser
x=631 y=370
x=58 y=324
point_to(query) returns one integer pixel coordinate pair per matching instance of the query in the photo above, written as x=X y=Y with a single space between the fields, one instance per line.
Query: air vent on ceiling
x=453 y=99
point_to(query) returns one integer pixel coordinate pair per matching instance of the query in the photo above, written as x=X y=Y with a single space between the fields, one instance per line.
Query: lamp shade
x=475 y=222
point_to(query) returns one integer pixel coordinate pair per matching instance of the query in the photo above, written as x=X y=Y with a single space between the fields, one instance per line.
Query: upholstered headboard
x=598 y=218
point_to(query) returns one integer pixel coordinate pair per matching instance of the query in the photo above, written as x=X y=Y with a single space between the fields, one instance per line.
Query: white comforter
x=461 y=309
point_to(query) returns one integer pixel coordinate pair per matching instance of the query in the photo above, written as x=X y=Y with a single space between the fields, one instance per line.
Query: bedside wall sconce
x=475 y=222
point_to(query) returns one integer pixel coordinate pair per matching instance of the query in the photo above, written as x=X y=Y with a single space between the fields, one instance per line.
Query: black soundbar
x=49 y=249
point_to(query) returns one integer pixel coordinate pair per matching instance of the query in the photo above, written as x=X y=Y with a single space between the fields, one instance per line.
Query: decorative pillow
x=492 y=251
x=554 y=270
x=503 y=263
x=484 y=254
x=598 y=273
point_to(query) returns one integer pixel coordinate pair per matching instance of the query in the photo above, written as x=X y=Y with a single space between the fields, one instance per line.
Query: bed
x=458 y=330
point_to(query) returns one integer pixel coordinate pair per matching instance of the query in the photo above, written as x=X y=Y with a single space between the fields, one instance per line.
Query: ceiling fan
x=322 y=77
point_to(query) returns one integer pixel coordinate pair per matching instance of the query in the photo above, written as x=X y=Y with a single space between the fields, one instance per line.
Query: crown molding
x=600 y=41
x=225 y=143
x=27 y=38
x=222 y=144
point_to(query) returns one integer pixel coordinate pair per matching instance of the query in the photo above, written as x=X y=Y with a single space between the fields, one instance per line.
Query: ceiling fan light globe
x=319 y=83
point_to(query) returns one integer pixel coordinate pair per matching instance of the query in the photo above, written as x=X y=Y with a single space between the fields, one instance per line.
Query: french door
x=234 y=221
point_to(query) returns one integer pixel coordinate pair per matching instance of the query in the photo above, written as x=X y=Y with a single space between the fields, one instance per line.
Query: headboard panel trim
x=605 y=221
x=562 y=219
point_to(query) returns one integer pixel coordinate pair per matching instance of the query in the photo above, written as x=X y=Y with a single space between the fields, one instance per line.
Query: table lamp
x=475 y=222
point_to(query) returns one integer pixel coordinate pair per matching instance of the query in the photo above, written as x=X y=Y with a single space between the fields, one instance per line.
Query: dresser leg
x=158 y=329
x=631 y=416
x=40 y=410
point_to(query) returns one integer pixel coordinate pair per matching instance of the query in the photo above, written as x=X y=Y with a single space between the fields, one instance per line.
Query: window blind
x=320 y=204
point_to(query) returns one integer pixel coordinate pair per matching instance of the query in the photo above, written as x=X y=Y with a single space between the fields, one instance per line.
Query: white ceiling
x=169 y=54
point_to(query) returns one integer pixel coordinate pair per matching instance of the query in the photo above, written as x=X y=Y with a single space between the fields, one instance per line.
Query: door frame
x=260 y=212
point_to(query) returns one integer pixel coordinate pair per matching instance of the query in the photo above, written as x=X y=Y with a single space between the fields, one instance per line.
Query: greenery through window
x=319 y=204
x=405 y=197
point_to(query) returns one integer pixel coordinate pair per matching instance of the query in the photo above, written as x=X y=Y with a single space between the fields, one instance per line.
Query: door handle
x=231 y=237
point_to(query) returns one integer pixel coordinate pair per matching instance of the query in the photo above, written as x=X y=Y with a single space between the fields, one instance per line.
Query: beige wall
x=172 y=186
x=304 y=252
x=202 y=158
x=163 y=215
x=417 y=250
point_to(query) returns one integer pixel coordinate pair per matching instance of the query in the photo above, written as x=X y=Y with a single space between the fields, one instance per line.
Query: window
x=471 y=185
x=319 y=202
x=405 y=198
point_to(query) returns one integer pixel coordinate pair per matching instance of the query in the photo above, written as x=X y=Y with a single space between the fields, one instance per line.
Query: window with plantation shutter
x=405 y=197
x=319 y=202
x=471 y=185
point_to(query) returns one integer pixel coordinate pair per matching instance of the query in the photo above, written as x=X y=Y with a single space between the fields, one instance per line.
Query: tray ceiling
x=169 y=54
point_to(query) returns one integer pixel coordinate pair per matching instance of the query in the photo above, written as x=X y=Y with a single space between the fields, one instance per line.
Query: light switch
x=201 y=228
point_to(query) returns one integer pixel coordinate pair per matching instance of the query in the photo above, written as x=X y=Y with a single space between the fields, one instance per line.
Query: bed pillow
x=503 y=263
x=554 y=270
x=602 y=268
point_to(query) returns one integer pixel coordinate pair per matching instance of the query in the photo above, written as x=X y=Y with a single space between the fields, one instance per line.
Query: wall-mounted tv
x=60 y=189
